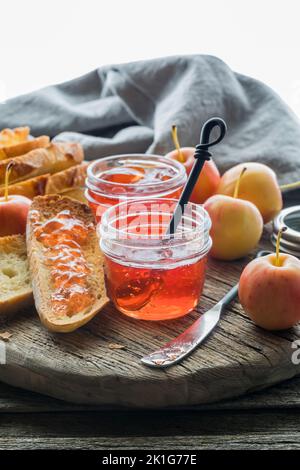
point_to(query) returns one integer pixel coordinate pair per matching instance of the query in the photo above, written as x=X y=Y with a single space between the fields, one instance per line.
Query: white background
x=48 y=41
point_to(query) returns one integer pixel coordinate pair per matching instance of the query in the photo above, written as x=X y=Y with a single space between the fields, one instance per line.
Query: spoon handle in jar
x=180 y=347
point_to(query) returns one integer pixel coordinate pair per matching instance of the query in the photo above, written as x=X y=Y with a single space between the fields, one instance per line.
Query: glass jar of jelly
x=150 y=275
x=112 y=180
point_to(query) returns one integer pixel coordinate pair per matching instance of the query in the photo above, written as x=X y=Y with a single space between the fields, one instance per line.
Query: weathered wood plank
x=155 y=423
x=168 y=430
x=288 y=441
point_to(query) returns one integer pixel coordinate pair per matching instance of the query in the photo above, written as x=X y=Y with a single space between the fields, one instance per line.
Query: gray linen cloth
x=131 y=108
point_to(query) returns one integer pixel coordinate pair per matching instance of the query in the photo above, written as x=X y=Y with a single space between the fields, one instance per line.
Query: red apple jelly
x=63 y=237
x=112 y=180
x=149 y=275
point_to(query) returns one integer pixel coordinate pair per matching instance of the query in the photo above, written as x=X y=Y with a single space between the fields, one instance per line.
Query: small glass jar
x=290 y=239
x=150 y=275
x=112 y=180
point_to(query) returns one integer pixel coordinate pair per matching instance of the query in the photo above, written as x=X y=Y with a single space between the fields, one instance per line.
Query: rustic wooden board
x=80 y=367
x=283 y=396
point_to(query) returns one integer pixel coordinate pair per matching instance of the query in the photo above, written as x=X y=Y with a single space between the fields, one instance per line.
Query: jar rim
x=175 y=181
x=290 y=239
x=198 y=226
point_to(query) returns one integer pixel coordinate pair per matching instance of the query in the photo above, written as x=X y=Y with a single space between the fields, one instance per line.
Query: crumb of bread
x=116 y=346
x=5 y=336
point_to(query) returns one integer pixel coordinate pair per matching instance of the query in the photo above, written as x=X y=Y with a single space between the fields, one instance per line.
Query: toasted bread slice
x=21 y=148
x=56 y=157
x=66 y=180
x=15 y=285
x=77 y=193
x=71 y=180
x=14 y=136
x=43 y=209
x=29 y=188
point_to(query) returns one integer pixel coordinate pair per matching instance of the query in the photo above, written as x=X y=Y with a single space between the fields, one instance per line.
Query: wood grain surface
x=267 y=419
x=81 y=368
x=283 y=396
x=153 y=430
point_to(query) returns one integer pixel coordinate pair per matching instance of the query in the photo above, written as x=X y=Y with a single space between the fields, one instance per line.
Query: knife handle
x=230 y=295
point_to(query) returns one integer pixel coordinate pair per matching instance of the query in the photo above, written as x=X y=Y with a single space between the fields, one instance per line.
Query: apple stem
x=280 y=231
x=176 y=143
x=294 y=185
x=6 y=180
x=237 y=184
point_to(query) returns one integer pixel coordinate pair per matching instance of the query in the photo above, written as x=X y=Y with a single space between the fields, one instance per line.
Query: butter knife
x=177 y=349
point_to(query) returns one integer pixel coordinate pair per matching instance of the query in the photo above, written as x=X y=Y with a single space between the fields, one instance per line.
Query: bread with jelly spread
x=65 y=261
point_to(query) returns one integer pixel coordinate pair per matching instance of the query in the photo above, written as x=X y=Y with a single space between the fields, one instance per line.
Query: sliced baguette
x=48 y=207
x=77 y=193
x=55 y=158
x=14 y=136
x=67 y=180
x=15 y=285
x=29 y=188
x=24 y=147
